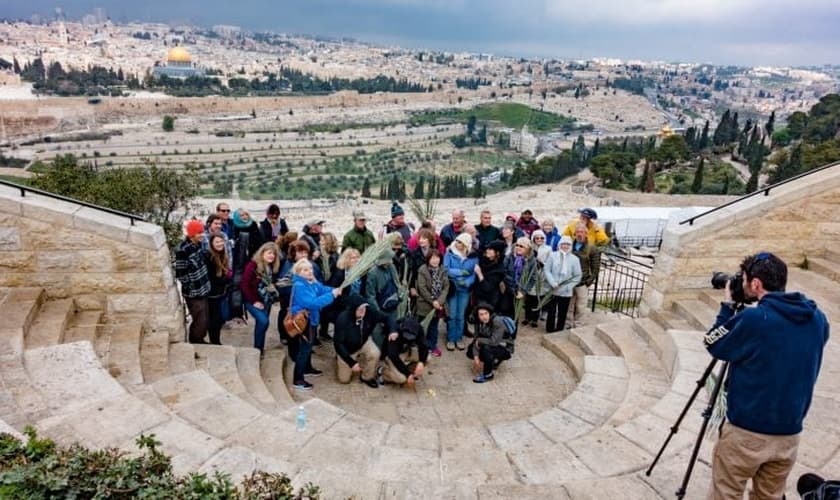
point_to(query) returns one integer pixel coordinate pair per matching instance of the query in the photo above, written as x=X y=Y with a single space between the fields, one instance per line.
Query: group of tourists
x=480 y=279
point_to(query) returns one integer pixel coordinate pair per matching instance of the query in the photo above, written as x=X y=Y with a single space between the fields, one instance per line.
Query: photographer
x=774 y=351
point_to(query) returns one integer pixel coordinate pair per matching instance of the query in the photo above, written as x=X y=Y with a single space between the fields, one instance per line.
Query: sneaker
x=450 y=346
x=460 y=345
x=313 y=372
x=372 y=383
x=480 y=379
x=436 y=352
x=303 y=385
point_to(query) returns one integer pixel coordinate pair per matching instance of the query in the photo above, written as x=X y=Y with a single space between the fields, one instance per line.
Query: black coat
x=351 y=335
x=265 y=229
x=488 y=290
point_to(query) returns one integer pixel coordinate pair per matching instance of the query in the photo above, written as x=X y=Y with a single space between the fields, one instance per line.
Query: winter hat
x=354 y=300
x=566 y=239
x=499 y=246
x=589 y=213
x=386 y=257
x=359 y=215
x=396 y=210
x=484 y=305
x=511 y=217
x=536 y=233
x=194 y=227
x=466 y=239
x=237 y=219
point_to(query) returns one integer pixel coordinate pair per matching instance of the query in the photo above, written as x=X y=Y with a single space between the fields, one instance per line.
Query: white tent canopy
x=643 y=226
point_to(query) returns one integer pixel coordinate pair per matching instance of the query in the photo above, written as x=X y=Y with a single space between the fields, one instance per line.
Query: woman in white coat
x=562 y=271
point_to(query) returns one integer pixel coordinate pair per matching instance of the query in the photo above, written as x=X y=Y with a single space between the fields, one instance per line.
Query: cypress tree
x=721 y=134
x=698 y=177
x=704 y=137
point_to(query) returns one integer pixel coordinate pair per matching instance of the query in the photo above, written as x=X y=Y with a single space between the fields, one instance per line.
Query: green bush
x=41 y=469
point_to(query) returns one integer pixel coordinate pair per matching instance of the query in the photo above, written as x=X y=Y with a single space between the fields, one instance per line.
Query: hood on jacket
x=793 y=306
x=354 y=300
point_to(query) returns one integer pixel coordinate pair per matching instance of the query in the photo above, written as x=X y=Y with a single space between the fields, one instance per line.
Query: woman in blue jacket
x=462 y=269
x=311 y=296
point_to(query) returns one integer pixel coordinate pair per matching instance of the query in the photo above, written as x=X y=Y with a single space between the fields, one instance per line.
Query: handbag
x=295 y=324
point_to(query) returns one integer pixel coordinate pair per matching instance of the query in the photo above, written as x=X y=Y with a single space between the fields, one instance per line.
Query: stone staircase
x=81 y=375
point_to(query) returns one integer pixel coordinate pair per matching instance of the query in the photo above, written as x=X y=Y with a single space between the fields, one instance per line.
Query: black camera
x=736 y=286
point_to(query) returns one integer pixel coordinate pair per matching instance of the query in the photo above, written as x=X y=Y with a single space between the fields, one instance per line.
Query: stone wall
x=99 y=259
x=796 y=220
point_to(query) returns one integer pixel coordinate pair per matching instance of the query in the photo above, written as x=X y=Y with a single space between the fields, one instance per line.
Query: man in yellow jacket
x=596 y=236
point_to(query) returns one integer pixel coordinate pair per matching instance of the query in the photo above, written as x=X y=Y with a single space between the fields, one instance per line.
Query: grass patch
x=508 y=114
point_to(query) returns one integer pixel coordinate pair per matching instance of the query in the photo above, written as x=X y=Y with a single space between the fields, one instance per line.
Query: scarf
x=238 y=222
x=518 y=264
x=437 y=281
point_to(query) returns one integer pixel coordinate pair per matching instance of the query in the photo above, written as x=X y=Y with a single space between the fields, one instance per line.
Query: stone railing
x=795 y=220
x=99 y=259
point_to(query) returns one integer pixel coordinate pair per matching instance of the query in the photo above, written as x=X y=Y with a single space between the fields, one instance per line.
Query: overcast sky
x=745 y=32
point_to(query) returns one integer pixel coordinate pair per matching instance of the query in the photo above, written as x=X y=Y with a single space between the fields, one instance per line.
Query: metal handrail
x=24 y=189
x=765 y=190
x=614 y=255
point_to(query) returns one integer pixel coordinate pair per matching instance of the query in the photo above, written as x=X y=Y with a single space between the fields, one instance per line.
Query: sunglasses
x=758 y=258
x=225 y=210
x=539 y=238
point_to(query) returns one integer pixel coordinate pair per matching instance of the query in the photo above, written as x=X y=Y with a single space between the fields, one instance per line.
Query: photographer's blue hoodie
x=775 y=351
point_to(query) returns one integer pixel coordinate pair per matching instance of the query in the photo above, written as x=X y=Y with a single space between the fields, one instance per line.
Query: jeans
x=432 y=333
x=457 y=305
x=490 y=356
x=198 y=310
x=214 y=319
x=303 y=353
x=557 y=308
x=261 y=326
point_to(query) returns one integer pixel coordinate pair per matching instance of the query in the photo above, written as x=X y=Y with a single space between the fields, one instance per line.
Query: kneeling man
x=355 y=347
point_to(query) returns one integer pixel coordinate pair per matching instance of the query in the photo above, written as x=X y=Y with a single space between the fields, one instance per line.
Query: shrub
x=41 y=469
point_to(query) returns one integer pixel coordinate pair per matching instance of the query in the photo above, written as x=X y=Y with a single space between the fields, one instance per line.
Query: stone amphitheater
x=91 y=350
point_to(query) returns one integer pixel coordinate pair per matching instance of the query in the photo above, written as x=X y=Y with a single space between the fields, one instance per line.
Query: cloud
x=662 y=12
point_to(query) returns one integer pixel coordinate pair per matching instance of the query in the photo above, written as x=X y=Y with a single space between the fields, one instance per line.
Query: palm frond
x=425 y=209
x=368 y=259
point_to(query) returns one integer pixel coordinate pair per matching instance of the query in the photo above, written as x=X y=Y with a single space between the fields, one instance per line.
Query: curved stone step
x=200 y=400
x=181 y=358
x=647 y=382
x=272 y=368
x=697 y=313
x=84 y=325
x=599 y=392
x=658 y=341
x=221 y=362
x=589 y=343
x=568 y=351
x=154 y=356
x=50 y=323
x=122 y=356
x=20 y=307
x=669 y=319
x=248 y=365
x=824 y=267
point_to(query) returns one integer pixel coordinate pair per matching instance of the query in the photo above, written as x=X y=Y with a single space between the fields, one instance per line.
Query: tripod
x=707 y=414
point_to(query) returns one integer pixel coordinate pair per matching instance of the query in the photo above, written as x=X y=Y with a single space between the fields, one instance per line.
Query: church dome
x=178 y=55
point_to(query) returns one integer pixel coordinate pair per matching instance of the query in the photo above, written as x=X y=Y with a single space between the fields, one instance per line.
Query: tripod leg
x=707 y=414
x=676 y=427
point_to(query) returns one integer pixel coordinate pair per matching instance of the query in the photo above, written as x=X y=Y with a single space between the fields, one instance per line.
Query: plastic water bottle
x=300 y=422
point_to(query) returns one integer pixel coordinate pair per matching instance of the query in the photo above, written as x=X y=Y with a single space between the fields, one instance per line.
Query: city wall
x=797 y=220
x=98 y=259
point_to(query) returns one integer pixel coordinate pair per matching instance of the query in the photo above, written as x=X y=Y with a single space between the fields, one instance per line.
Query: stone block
x=339 y=485
x=335 y=455
x=107 y=423
x=240 y=462
x=521 y=492
x=75 y=261
x=613 y=366
x=519 y=435
x=69 y=376
x=422 y=490
x=608 y=453
x=107 y=225
x=220 y=415
x=128 y=258
x=560 y=425
x=613 y=487
x=116 y=283
x=9 y=238
x=180 y=390
x=188 y=447
x=471 y=456
x=403 y=436
x=50 y=210
x=145 y=235
x=15 y=260
x=549 y=464
x=10 y=200
x=649 y=431
x=603 y=386
x=387 y=462
x=588 y=407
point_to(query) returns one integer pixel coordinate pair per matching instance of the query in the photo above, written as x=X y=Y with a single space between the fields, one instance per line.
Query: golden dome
x=178 y=55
